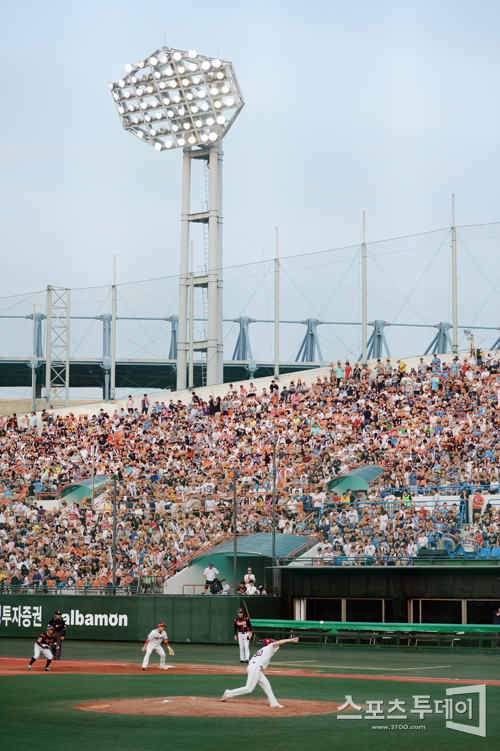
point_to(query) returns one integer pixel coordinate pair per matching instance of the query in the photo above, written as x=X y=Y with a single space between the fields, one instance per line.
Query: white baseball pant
x=45 y=651
x=255 y=676
x=244 y=642
x=151 y=648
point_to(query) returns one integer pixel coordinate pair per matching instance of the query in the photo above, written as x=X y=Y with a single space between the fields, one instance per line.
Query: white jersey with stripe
x=155 y=638
x=264 y=655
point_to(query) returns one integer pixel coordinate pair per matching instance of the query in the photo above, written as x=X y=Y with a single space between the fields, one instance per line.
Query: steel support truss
x=310 y=344
x=57 y=350
x=441 y=341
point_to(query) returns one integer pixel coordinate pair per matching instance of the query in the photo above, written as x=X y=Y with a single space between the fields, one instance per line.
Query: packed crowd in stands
x=433 y=430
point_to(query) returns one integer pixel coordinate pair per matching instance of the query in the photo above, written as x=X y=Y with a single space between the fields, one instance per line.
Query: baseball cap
x=240 y=610
x=268 y=641
x=58 y=612
x=161 y=624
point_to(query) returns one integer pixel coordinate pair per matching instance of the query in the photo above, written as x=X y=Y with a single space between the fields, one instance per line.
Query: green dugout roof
x=77 y=491
x=358 y=479
x=260 y=545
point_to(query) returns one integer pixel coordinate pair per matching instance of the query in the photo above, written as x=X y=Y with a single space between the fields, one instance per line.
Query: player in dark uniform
x=243 y=634
x=43 y=646
x=59 y=625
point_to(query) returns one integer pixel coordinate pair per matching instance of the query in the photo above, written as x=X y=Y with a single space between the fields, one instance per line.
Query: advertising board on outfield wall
x=199 y=619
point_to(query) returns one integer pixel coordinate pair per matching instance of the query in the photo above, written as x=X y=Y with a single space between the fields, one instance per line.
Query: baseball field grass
x=37 y=708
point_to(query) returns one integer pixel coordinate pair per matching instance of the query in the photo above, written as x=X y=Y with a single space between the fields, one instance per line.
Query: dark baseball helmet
x=50 y=628
x=240 y=610
x=58 y=612
x=268 y=641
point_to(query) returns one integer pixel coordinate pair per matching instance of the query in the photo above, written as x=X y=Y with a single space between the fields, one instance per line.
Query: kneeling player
x=43 y=646
x=153 y=643
x=257 y=664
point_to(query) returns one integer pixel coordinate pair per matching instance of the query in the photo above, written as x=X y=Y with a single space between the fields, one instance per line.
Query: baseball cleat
x=28 y=667
x=275 y=706
x=224 y=696
x=48 y=670
x=144 y=668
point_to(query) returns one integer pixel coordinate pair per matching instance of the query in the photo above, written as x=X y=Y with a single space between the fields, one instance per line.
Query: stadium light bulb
x=153 y=60
x=163 y=59
x=192 y=140
x=212 y=136
x=129 y=68
x=177 y=56
x=205 y=65
x=210 y=121
x=181 y=69
x=204 y=138
x=216 y=63
x=158 y=146
x=192 y=54
x=193 y=67
x=181 y=141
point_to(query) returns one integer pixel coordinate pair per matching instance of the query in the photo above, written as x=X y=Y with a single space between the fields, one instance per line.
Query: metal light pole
x=114 y=535
x=191 y=324
x=276 y=311
x=364 y=307
x=454 y=275
x=274 y=519
x=182 y=100
x=92 y=453
x=112 y=383
x=33 y=372
x=235 y=539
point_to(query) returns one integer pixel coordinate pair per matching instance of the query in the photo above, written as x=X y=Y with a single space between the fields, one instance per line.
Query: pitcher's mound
x=202 y=706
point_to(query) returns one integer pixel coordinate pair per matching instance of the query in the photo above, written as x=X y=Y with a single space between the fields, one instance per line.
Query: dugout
x=399 y=594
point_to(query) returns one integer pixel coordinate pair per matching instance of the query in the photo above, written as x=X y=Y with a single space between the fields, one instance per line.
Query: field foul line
x=361 y=667
x=298 y=662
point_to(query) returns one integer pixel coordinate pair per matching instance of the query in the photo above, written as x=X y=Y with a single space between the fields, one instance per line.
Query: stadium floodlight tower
x=182 y=100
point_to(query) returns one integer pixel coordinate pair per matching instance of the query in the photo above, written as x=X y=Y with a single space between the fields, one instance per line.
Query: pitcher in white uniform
x=257 y=664
x=153 y=643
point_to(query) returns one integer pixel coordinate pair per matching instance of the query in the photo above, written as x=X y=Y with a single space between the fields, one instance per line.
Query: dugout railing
x=379 y=635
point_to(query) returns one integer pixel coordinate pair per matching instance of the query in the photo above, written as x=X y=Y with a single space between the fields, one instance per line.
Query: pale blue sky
x=386 y=107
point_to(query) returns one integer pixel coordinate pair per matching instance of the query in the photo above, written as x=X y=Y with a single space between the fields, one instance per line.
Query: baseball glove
x=170 y=651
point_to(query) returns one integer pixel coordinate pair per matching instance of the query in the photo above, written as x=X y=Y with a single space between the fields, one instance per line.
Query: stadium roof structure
x=77 y=491
x=358 y=479
x=259 y=545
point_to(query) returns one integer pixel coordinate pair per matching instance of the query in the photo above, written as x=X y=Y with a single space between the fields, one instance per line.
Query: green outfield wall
x=202 y=619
